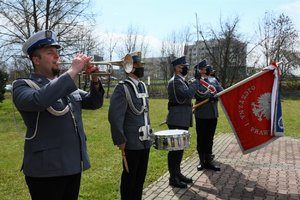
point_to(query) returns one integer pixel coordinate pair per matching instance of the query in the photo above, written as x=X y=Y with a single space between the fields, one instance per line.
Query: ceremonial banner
x=253 y=109
x=279 y=125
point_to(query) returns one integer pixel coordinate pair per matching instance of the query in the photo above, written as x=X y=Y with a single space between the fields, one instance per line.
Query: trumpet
x=126 y=63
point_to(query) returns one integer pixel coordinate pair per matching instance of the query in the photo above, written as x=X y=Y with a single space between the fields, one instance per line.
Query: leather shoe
x=200 y=167
x=211 y=167
x=185 y=179
x=176 y=182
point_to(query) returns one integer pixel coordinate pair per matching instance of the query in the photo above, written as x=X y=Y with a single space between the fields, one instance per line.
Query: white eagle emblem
x=263 y=107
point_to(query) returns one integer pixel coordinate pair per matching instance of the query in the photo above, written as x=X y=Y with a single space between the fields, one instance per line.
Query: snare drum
x=171 y=140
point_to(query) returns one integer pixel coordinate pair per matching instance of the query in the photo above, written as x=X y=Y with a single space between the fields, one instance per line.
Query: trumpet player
x=55 y=150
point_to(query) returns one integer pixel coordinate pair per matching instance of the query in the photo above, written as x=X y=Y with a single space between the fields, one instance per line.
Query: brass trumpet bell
x=126 y=63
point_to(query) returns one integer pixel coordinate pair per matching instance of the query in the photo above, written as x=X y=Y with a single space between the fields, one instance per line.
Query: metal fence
x=156 y=89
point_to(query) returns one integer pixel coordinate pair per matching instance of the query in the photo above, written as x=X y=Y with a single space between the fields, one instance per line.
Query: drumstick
x=125 y=161
x=162 y=123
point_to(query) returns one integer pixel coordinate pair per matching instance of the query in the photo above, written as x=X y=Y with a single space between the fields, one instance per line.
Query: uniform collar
x=135 y=81
x=182 y=77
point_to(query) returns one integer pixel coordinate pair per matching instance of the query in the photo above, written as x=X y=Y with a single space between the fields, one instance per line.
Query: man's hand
x=92 y=70
x=191 y=80
x=213 y=99
x=78 y=64
x=121 y=146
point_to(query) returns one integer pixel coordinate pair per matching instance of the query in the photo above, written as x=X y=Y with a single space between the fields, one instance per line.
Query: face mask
x=139 y=72
x=184 y=71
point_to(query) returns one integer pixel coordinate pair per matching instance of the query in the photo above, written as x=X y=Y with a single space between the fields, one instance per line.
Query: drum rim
x=177 y=131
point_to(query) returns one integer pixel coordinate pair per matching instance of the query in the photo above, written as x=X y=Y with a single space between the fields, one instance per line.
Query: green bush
x=3 y=80
x=290 y=88
x=293 y=84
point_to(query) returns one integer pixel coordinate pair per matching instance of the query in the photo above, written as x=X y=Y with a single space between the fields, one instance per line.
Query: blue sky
x=159 y=18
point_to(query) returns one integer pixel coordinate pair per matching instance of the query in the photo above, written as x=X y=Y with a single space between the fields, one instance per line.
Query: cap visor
x=53 y=45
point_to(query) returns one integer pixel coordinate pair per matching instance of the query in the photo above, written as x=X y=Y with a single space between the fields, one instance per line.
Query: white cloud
x=154 y=44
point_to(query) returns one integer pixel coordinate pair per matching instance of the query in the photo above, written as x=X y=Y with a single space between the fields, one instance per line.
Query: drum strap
x=145 y=131
x=130 y=103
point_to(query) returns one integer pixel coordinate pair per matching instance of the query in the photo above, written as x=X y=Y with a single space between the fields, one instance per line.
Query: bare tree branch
x=21 y=18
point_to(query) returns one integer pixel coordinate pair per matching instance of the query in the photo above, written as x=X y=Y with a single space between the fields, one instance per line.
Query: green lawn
x=102 y=180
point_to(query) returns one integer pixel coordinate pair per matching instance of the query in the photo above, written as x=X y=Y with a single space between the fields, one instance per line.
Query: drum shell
x=171 y=140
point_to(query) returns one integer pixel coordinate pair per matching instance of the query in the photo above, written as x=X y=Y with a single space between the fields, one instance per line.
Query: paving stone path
x=272 y=172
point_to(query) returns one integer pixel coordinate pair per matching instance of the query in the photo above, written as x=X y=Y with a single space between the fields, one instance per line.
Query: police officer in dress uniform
x=180 y=95
x=206 y=115
x=55 y=151
x=130 y=128
x=213 y=74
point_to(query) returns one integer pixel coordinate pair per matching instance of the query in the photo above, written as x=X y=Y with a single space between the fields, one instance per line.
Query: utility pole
x=197 y=27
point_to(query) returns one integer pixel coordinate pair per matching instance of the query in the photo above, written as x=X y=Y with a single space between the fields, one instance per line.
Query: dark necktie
x=141 y=87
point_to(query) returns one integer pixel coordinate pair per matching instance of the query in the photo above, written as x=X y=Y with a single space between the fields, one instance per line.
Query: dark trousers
x=132 y=182
x=175 y=157
x=58 y=188
x=205 y=129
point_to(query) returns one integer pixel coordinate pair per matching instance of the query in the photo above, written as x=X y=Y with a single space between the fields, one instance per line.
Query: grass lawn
x=103 y=179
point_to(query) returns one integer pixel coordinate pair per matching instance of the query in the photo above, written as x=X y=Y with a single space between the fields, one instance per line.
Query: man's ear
x=177 y=68
x=35 y=60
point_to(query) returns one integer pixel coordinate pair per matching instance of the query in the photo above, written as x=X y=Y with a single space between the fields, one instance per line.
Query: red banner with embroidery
x=250 y=107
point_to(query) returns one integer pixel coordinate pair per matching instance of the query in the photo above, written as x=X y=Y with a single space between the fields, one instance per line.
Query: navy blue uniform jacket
x=59 y=147
x=180 y=96
x=124 y=124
